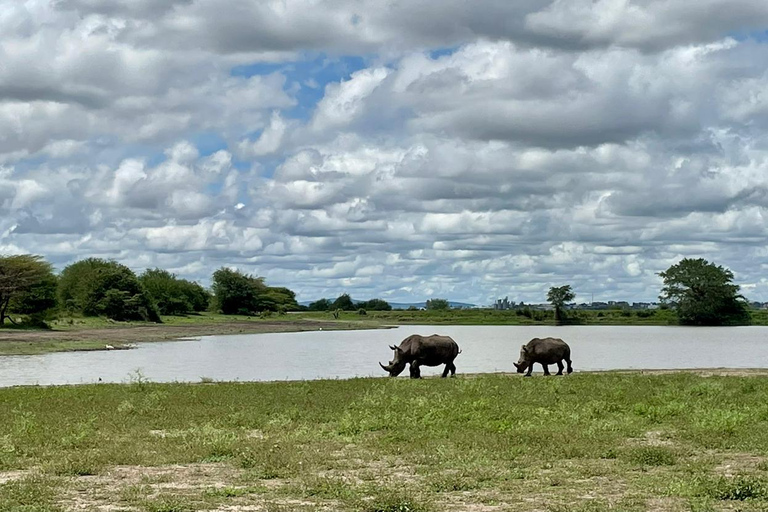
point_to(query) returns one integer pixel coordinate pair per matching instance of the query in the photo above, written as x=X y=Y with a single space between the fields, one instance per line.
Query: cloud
x=405 y=150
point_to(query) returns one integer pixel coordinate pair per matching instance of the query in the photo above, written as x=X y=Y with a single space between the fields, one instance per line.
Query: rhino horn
x=386 y=369
x=393 y=347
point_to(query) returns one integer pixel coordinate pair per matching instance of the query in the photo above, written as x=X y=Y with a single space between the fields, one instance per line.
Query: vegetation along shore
x=585 y=442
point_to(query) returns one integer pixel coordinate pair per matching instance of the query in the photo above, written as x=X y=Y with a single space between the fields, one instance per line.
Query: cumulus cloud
x=467 y=152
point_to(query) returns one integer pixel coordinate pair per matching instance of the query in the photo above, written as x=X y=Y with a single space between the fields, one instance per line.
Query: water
x=344 y=354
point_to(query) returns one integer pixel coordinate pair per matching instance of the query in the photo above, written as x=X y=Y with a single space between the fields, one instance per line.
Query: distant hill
x=406 y=305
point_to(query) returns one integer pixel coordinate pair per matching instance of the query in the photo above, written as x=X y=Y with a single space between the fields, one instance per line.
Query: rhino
x=423 y=350
x=544 y=351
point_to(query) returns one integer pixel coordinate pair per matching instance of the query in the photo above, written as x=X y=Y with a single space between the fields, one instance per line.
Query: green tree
x=284 y=298
x=559 y=296
x=375 y=305
x=344 y=303
x=702 y=293
x=320 y=305
x=26 y=283
x=237 y=293
x=438 y=305
x=172 y=295
x=96 y=287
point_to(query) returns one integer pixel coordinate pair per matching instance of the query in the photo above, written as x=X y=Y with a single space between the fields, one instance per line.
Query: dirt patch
x=10 y=476
x=738 y=463
x=667 y=504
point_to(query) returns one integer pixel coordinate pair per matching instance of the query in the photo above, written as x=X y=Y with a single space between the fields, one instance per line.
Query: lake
x=345 y=354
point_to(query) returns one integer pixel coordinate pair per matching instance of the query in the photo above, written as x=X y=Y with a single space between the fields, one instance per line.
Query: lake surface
x=345 y=354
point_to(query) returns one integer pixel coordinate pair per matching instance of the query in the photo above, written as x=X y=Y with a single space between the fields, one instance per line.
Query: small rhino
x=544 y=351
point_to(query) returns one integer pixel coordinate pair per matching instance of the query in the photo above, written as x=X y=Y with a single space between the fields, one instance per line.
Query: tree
x=438 y=305
x=172 y=295
x=284 y=298
x=237 y=293
x=375 y=305
x=320 y=305
x=559 y=296
x=97 y=287
x=26 y=282
x=344 y=302
x=703 y=294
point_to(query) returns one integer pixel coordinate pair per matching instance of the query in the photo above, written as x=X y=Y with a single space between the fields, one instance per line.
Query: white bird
x=109 y=347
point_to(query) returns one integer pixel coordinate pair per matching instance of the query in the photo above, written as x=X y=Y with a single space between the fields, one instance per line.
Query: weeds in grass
x=651 y=456
x=31 y=494
x=172 y=503
x=738 y=489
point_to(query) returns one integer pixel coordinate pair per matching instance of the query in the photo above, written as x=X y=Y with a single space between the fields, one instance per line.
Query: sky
x=391 y=149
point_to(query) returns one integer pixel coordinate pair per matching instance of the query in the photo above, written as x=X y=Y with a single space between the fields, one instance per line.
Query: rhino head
x=396 y=365
x=523 y=362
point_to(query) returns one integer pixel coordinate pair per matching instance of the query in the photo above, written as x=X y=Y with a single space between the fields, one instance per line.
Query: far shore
x=92 y=334
x=85 y=334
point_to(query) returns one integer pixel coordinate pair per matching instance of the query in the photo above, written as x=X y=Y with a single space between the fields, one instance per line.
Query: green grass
x=507 y=317
x=582 y=442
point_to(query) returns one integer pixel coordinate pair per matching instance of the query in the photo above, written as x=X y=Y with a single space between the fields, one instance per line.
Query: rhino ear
x=525 y=349
x=398 y=349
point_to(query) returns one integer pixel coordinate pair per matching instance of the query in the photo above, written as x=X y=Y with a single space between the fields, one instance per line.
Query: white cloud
x=543 y=143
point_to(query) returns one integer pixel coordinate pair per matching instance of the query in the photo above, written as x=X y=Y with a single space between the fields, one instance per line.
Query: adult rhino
x=544 y=351
x=423 y=350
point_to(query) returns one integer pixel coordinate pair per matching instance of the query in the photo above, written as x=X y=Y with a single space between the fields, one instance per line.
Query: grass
x=582 y=442
x=506 y=317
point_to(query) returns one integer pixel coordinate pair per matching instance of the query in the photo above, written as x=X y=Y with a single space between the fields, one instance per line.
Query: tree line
x=701 y=293
x=98 y=287
x=345 y=303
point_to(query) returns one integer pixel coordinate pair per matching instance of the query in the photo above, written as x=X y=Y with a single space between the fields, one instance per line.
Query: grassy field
x=586 y=442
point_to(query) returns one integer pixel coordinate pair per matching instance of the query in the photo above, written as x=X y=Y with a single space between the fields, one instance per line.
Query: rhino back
x=547 y=349
x=433 y=349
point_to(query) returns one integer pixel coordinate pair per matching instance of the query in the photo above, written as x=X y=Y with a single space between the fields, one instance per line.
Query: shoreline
x=20 y=342
x=699 y=372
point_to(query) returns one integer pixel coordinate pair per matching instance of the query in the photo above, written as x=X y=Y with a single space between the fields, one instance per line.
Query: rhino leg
x=559 y=367
x=447 y=369
x=530 y=369
x=570 y=368
x=453 y=370
x=546 y=368
x=415 y=372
